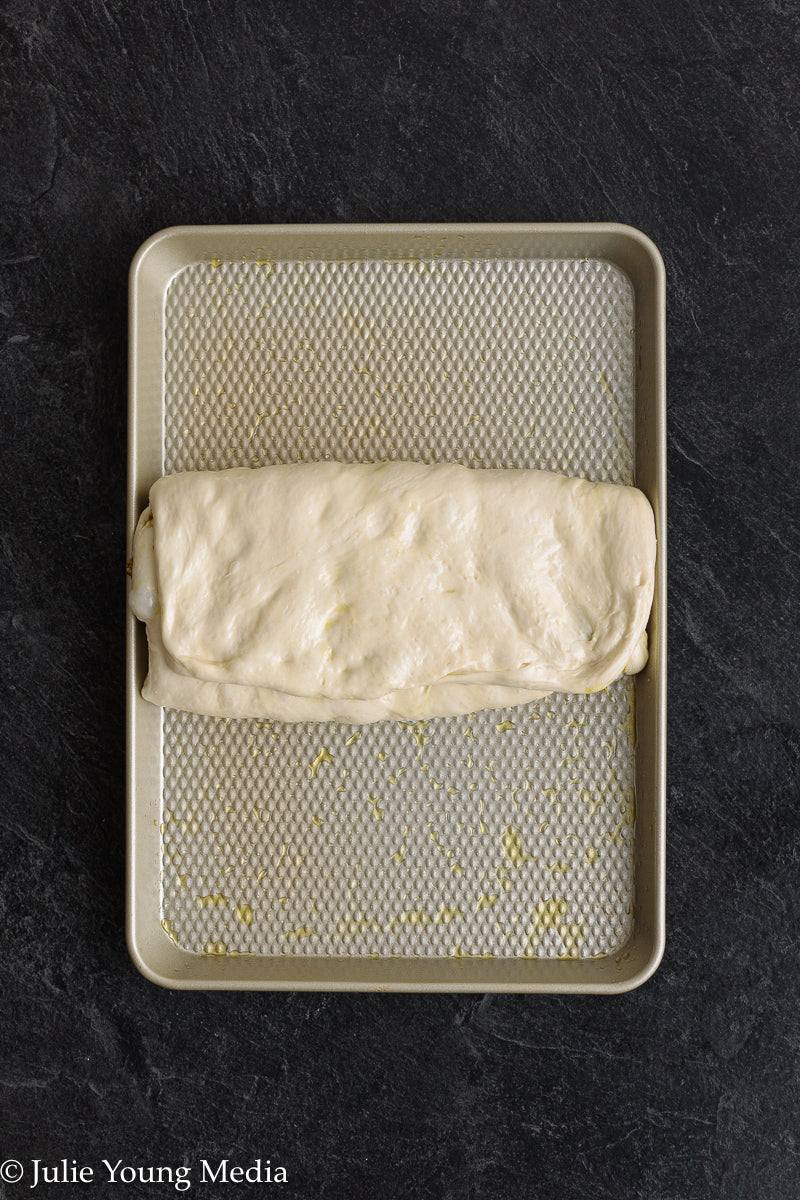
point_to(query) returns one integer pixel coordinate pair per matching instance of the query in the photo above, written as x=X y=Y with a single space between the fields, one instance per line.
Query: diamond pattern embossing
x=505 y=833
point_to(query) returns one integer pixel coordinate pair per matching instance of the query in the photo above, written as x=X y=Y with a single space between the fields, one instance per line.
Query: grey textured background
x=117 y=119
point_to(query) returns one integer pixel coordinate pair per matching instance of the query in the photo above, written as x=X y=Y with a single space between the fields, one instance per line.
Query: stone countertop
x=683 y=120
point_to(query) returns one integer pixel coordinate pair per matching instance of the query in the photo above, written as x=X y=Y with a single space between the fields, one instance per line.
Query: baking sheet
x=504 y=835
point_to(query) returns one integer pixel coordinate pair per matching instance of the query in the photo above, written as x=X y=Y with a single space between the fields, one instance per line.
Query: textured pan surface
x=507 y=833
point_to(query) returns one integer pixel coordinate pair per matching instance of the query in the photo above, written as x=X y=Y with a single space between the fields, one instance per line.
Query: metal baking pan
x=520 y=850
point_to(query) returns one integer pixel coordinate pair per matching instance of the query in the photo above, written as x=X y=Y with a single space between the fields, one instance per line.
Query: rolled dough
x=360 y=592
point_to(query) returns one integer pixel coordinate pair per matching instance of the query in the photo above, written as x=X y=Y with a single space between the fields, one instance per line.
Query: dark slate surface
x=683 y=119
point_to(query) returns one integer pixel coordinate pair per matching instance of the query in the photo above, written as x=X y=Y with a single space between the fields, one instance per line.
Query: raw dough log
x=355 y=593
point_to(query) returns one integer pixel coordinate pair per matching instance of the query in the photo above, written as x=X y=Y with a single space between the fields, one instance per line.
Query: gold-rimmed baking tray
x=520 y=850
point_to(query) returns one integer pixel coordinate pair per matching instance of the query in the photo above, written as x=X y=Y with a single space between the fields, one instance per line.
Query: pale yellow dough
x=356 y=593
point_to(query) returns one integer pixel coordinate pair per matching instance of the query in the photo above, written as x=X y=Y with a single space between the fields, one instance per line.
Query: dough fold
x=361 y=592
